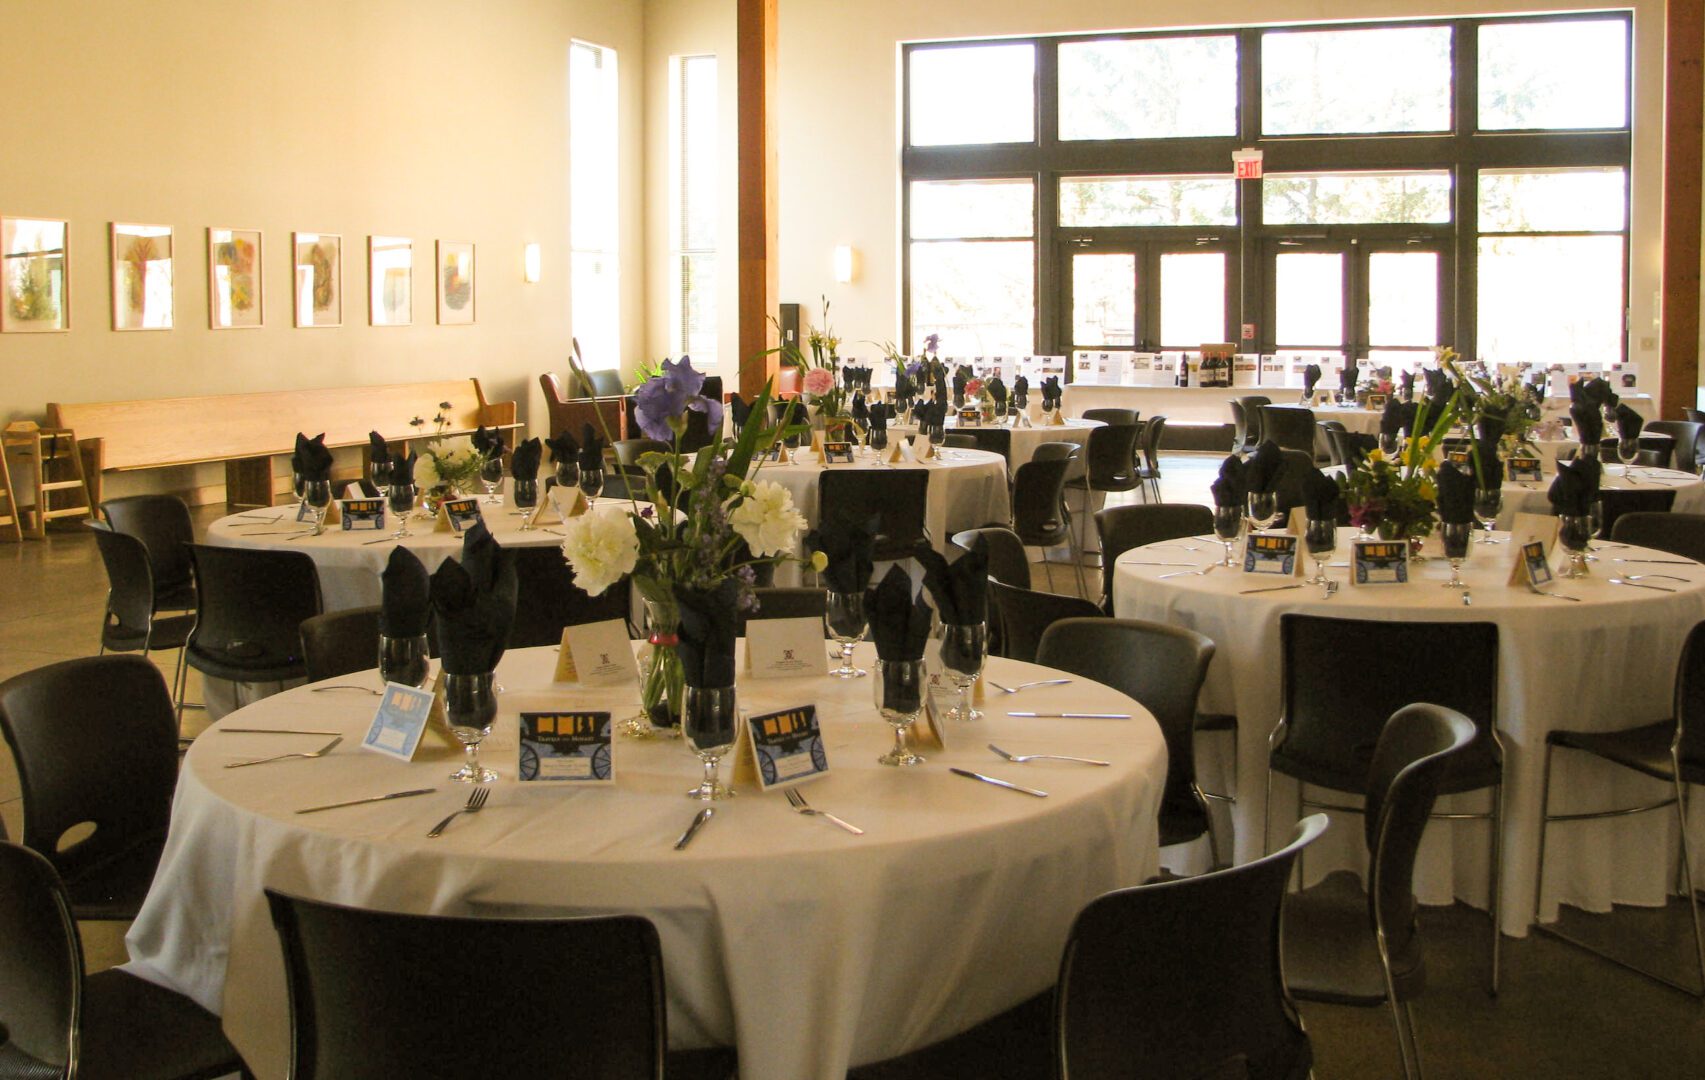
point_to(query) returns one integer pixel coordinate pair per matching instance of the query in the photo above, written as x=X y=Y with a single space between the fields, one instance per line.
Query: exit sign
x=1246 y=164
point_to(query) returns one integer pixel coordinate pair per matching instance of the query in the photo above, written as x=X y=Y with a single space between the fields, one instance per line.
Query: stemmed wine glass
x=899 y=690
x=937 y=436
x=470 y=706
x=709 y=721
x=526 y=495
x=844 y=618
x=1389 y=444
x=591 y=482
x=1488 y=502
x=1626 y=451
x=1456 y=536
x=1263 y=509
x=568 y=473
x=1575 y=532
x=1228 y=525
x=491 y=475
x=1321 y=539
x=401 y=500
x=963 y=649
x=318 y=495
x=379 y=471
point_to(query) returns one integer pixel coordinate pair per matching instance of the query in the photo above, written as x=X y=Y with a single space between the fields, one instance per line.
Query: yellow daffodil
x=819 y=561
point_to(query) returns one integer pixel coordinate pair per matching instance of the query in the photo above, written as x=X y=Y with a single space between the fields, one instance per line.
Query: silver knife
x=692 y=830
x=1133 y=562
x=1666 y=562
x=1269 y=588
x=1074 y=715
x=998 y=782
x=370 y=798
x=272 y=731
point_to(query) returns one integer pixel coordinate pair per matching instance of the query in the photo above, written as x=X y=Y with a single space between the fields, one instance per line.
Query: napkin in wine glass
x=402 y=467
x=488 y=441
x=1020 y=392
x=1230 y=488
x=1455 y=495
x=1406 y=385
x=899 y=621
x=879 y=414
x=591 y=449
x=1490 y=467
x=707 y=633
x=1438 y=383
x=860 y=410
x=960 y=588
x=997 y=393
x=312 y=461
x=1575 y=488
x=1628 y=422
x=847 y=544
x=1348 y=378
x=1310 y=379
x=564 y=447
x=1261 y=471
x=1320 y=497
x=378 y=450
x=404 y=595
x=1589 y=422
x=1051 y=389
x=473 y=602
x=524 y=463
x=1489 y=429
x=960 y=378
x=1595 y=391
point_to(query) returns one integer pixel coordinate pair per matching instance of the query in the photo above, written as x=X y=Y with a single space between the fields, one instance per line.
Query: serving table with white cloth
x=807 y=948
x=1605 y=662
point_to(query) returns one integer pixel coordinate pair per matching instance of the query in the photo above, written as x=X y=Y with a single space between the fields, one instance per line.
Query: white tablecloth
x=807 y=948
x=1534 y=498
x=1025 y=440
x=1604 y=663
x=1356 y=421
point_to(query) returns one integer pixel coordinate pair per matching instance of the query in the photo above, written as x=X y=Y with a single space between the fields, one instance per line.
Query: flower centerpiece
x=444 y=471
x=701 y=519
x=1394 y=497
x=819 y=378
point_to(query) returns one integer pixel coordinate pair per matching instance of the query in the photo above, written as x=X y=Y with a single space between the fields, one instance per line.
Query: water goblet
x=845 y=619
x=401 y=500
x=899 y=691
x=937 y=436
x=568 y=473
x=963 y=649
x=379 y=471
x=591 y=482
x=1574 y=531
x=491 y=475
x=709 y=722
x=1263 y=509
x=1321 y=539
x=1488 y=502
x=526 y=496
x=298 y=484
x=403 y=660
x=1626 y=451
x=470 y=706
x=878 y=439
x=1455 y=536
x=1228 y=525
x=318 y=495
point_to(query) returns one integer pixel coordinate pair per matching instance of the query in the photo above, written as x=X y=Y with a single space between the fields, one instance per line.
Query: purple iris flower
x=915 y=369
x=932 y=342
x=665 y=397
x=712 y=410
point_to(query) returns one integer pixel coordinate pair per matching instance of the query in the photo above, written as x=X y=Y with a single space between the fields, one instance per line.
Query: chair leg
x=1213 y=835
x=1406 y=1043
x=1544 y=820
x=1497 y=884
x=1687 y=868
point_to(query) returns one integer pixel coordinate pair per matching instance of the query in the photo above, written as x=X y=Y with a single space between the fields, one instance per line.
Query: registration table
x=1603 y=662
x=807 y=948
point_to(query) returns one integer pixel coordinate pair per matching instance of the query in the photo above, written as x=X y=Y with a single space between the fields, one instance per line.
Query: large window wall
x=1454 y=181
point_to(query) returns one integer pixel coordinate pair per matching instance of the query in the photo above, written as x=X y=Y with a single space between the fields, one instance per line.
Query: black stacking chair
x=1291 y=426
x=1344 y=677
x=1039 y=514
x=163 y=525
x=1183 y=978
x=359 y=983
x=59 y=1022
x=250 y=605
x=898 y=496
x=129 y=623
x=996 y=440
x=1687 y=440
x=1122 y=528
x=782 y=602
x=1025 y=614
x=1111 y=456
x=1239 y=426
x=1253 y=423
x=1148 y=469
x=1008 y=561
x=1162 y=668
x=1678 y=534
x=1346 y=947
x=1672 y=751
x=1111 y=416
x=959 y=441
x=1613 y=503
x=1293 y=472
x=1334 y=430
x=95 y=742
x=341 y=642
x=547 y=599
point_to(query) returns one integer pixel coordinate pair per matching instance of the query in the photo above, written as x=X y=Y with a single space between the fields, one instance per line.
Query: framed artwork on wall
x=234 y=297
x=455 y=283
x=142 y=297
x=390 y=280
x=316 y=279
x=35 y=293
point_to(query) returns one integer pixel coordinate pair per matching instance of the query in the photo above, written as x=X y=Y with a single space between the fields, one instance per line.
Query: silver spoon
x=1024 y=686
x=1639 y=585
x=1020 y=759
x=321 y=752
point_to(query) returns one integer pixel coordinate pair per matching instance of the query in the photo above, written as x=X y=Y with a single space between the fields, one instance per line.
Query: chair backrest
x=1291 y=426
x=250 y=605
x=1111 y=416
x=627 y=451
x=1153 y=432
x=1160 y=667
x=1615 y=502
x=996 y=440
x=897 y=495
x=784 y=602
x=1252 y=404
x=1172 y=979
x=340 y=642
x=547 y=599
x=1038 y=499
x=162 y=523
x=1122 y=528
x=1688 y=439
x=1693 y=416
x=41 y=965
x=1239 y=425
x=959 y=441
x=379 y=994
x=96 y=741
x=1416 y=752
x=130 y=582
x=1025 y=614
x=1678 y=534
x=1335 y=450
x=1344 y=677
x=1112 y=456
x=1008 y=562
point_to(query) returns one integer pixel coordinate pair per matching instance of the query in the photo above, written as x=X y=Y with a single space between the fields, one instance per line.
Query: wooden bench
x=246 y=431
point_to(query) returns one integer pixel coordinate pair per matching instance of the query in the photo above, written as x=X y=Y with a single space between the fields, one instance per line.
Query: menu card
x=567 y=746
x=779 y=749
x=367 y=515
x=1379 y=562
x=596 y=654
x=1532 y=537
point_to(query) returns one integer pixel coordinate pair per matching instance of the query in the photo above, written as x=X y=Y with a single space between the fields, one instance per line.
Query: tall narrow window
x=595 y=270
x=693 y=226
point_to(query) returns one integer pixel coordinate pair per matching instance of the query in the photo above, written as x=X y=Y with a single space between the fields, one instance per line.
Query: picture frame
x=316 y=278
x=236 y=260
x=35 y=280
x=143 y=297
x=390 y=280
x=455 y=273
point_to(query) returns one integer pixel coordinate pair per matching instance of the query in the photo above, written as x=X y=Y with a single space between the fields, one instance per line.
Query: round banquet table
x=1025 y=440
x=1355 y=420
x=1534 y=496
x=808 y=949
x=1605 y=662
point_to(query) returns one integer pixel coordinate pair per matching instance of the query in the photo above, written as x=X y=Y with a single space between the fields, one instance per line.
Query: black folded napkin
x=1310 y=378
x=847 y=544
x=860 y=411
x=1230 y=488
x=1348 y=377
x=960 y=588
x=488 y=441
x=879 y=414
x=1589 y=422
x=959 y=381
x=311 y=461
x=474 y=603
x=591 y=449
x=740 y=408
x=564 y=447
x=402 y=467
x=899 y=621
x=1595 y=391
x=524 y=462
x=1438 y=383
x=848 y=376
x=1320 y=496
x=997 y=394
x=1491 y=466
x=707 y=633
x=1391 y=419
x=1406 y=385
x=1455 y=495
x=1261 y=471
x=1051 y=392
x=1628 y=423
x=1489 y=429
x=941 y=386
x=404 y=595
x=378 y=450
x=1020 y=391
x=1576 y=487
x=902 y=384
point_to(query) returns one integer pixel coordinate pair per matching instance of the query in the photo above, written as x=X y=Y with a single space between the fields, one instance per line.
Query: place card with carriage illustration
x=785 y=648
x=1271 y=553
x=596 y=654
x=458 y=515
x=838 y=453
x=929 y=730
x=362 y=515
x=1523 y=469
x=1532 y=539
x=573 y=747
x=1463 y=459
x=400 y=721
x=1379 y=562
x=1376 y=401
x=780 y=749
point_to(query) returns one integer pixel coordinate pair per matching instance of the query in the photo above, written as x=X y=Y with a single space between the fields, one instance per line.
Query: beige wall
x=434 y=119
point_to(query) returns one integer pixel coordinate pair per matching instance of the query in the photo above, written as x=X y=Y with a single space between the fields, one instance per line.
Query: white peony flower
x=426 y=473
x=601 y=547
x=767 y=520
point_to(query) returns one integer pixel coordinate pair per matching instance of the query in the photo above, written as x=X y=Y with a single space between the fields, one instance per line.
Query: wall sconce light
x=530 y=264
x=845 y=260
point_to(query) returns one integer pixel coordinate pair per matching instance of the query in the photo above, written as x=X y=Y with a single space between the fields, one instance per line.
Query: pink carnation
x=818 y=381
x=974 y=387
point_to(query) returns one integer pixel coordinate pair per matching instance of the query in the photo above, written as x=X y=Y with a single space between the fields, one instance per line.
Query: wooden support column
x=1684 y=114
x=755 y=28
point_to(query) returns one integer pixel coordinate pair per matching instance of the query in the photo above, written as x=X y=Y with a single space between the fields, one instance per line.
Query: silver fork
x=476 y=803
x=799 y=804
x=321 y=752
x=1206 y=570
x=1026 y=685
x=1020 y=759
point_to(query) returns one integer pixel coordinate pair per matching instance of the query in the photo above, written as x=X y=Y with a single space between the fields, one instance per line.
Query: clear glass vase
x=661 y=680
